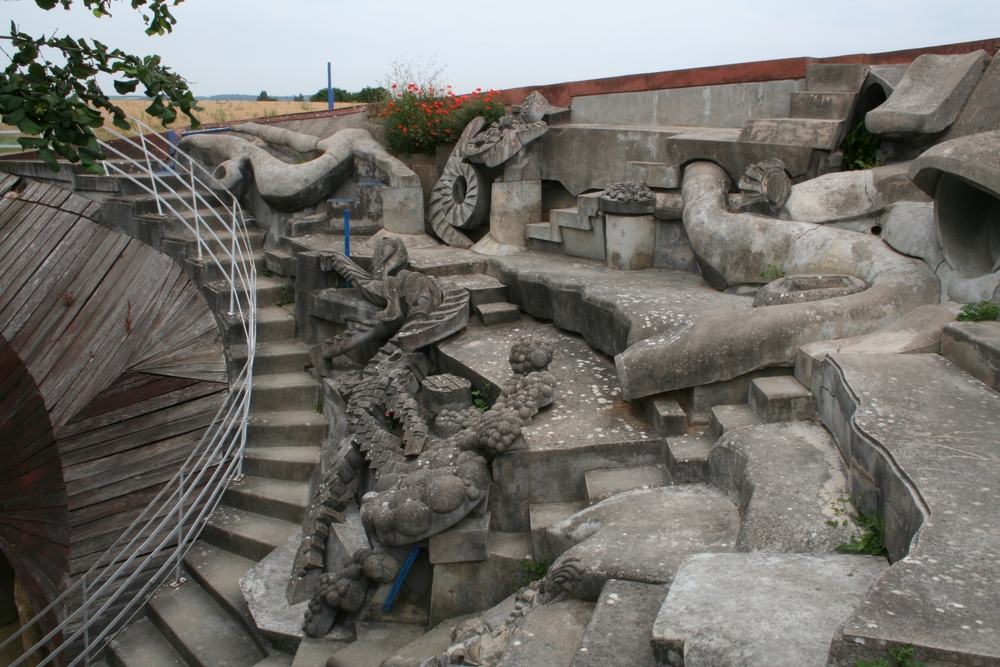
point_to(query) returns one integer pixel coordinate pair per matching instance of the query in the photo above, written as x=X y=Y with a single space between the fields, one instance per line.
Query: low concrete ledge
x=920 y=439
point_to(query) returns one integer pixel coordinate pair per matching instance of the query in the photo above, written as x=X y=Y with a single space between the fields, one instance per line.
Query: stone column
x=631 y=241
x=512 y=207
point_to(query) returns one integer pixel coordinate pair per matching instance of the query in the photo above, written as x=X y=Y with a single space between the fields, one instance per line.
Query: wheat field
x=213 y=111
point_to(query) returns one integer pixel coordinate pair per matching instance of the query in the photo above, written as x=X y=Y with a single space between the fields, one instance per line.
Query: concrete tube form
x=735 y=248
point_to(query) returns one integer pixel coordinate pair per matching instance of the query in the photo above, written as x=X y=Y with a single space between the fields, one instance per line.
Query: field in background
x=215 y=111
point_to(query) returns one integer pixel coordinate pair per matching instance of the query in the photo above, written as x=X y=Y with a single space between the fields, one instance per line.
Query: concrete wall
x=728 y=105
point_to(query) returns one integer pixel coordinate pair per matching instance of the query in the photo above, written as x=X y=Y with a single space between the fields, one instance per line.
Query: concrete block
x=687 y=457
x=265 y=589
x=830 y=106
x=667 y=415
x=412 y=603
x=654 y=174
x=464 y=588
x=446 y=392
x=619 y=629
x=702 y=398
x=727 y=417
x=759 y=609
x=585 y=243
x=673 y=249
x=543 y=515
x=929 y=96
x=376 y=642
x=403 y=210
x=431 y=643
x=975 y=348
x=602 y=484
x=466 y=541
x=315 y=651
x=631 y=241
x=512 y=207
x=824 y=78
x=781 y=399
x=806 y=132
x=498 y=313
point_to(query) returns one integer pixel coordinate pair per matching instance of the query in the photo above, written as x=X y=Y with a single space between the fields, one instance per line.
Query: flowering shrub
x=419 y=120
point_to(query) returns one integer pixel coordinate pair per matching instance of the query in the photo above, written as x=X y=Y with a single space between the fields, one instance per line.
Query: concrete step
x=781 y=399
x=830 y=106
x=619 y=630
x=975 y=348
x=376 y=642
x=543 y=515
x=502 y=312
x=571 y=218
x=549 y=635
x=603 y=484
x=296 y=464
x=218 y=572
x=284 y=391
x=271 y=357
x=281 y=262
x=278 y=498
x=286 y=428
x=206 y=270
x=200 y=629
x=543 y=231
x=727 y=417
x=481 y=288
x=687 y=457
x=246 y=534
x=141 y=644
x=217 y=243
x=667 y=415
x=273 y=323
x=270 y=292
x=759 y=610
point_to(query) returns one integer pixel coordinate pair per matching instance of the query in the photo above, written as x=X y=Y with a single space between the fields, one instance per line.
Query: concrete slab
x=492 y=314
x=265 y=587
x=602 y=484
x=830 y=78
x=975 y=348
x=687 y=457
x=431 y=643
x=920 y=436
x=639 y=536
x=620 y=629
x=550 y=635
x=788 y=480
x=929 y=96
x=376 y=642
x=481 y=288
x=465 y=541
x=781 y=399
x=315 y=651
x=725 y=418
x=766 y=610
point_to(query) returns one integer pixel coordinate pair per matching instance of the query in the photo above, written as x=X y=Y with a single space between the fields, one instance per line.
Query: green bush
x=984 y=311
x=859 y=149
x=418 y=120
x=367 y=95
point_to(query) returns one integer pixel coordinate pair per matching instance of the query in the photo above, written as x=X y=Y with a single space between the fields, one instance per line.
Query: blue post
x=347 y=236
x=405 y=570
x=329 y=87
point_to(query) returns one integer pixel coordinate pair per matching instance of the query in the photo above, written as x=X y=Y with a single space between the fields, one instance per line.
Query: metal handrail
x=174 y=519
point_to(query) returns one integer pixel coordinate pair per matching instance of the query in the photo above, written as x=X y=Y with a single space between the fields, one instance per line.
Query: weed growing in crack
x=870 y=538
x=773 y=272
x=900 y=657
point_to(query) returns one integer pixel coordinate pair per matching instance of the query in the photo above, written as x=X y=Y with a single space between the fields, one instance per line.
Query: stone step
x=273 y=323
x=975 y=348
x=281 y=262
x=288 y=463
x=271 y=357
x=543 y=515
x=466 y=541
x=200 y=629
x=830 y=106
x=315 y=651
x=278 y=659
x=433 y=642
x=219 y=572
x=543 y=231
x=501 y=312
x=667 y=415
x=571 y=218
x=550 y=635
x=376 y=642
x=482 y=288
x=727 y=417
x=215 y=243
x=246 y=534
x=284 y=391
x=141 y=644
x=603 y=484
x=687 y=457
x=270 y=292
x=277 y=498
x=619 y=630
x=759 y=610
x=286 y=428
x=781 y=399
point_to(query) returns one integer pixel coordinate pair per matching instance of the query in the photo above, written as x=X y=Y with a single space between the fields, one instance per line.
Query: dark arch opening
x=8 y=608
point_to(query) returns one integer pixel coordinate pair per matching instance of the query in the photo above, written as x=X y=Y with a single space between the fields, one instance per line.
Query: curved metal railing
x=152 y=550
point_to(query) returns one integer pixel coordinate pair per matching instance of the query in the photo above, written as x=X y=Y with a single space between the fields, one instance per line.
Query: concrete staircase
x=204 y=621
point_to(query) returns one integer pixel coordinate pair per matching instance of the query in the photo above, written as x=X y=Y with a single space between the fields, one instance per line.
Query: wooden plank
x=127 y=436
x=127 y=396
x=53 y=225
x=20 y=248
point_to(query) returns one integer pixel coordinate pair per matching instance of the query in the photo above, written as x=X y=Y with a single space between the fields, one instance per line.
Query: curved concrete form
x=735 y=248
x=291 y=187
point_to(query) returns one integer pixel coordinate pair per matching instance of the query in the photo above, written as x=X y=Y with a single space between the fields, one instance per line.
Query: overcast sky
x=282 y=46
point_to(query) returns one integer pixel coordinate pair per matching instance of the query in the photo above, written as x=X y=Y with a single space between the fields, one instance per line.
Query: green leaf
x=125 y=87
